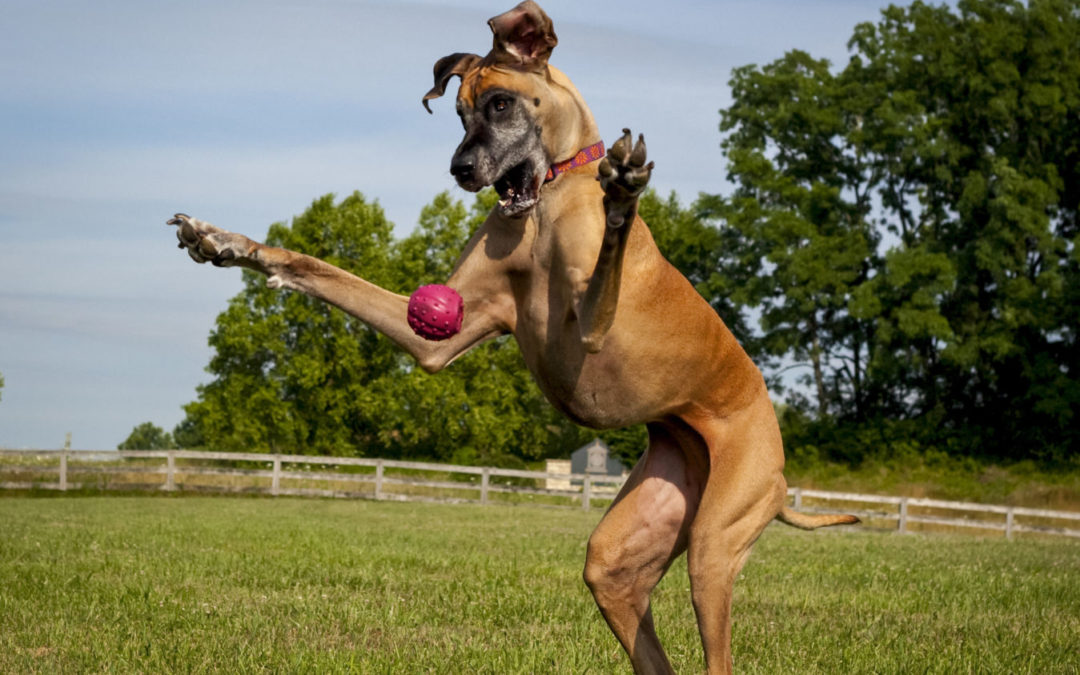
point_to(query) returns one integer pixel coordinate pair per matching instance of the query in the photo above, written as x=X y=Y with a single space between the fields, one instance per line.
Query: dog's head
x=520 y=114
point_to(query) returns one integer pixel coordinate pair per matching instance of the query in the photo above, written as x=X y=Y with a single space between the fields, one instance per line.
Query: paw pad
x=624 y=173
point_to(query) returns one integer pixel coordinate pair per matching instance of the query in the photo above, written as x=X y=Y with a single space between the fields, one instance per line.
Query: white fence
x=360 y=477
x=351 y=477
x=907 y=511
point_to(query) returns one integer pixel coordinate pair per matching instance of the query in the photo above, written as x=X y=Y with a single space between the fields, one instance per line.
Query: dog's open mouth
x=518 y=189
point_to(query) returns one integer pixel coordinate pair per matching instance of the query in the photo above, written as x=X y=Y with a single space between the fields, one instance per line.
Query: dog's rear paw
x=207 y=243
x=623 y=177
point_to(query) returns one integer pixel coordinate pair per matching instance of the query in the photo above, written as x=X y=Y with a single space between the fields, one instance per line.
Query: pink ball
x=435 y=312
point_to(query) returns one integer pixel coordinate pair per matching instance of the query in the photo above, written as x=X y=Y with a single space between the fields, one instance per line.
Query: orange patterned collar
x=583 y=157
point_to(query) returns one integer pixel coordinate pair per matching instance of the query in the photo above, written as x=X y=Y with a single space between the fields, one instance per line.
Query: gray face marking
x=502 y=148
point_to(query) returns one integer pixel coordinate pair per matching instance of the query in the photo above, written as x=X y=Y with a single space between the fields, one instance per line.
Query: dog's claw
x=637 y=155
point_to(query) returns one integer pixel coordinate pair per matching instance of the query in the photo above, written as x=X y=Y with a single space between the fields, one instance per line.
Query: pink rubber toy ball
x=435 y=312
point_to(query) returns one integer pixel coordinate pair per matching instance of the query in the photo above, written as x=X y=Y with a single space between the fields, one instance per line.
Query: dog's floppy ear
x=524 y=37
x=445 y=68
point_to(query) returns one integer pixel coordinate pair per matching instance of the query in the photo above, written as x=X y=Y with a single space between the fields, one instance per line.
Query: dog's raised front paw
x=623 y=177
x=207 y=243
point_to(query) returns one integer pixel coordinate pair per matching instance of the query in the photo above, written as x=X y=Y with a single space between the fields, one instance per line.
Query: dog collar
x=583 y=157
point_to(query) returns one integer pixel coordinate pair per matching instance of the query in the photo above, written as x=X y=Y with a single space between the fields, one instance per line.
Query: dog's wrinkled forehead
x=486 y=78
x=522 y=42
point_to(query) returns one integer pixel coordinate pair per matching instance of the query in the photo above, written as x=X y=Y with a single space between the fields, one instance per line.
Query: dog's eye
x=500 y=104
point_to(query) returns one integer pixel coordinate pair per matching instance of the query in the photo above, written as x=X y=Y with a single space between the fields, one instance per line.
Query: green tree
x=917 y=215
x=801 y=209
x=1 y=382
x=292 y=374
x=147 y=436
x=996 y=86
x=186 y=434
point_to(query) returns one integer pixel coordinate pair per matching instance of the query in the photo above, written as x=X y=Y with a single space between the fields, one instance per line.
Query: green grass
x=226 y=584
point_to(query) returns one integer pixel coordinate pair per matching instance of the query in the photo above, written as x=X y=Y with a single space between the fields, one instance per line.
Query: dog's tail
x=804 y=521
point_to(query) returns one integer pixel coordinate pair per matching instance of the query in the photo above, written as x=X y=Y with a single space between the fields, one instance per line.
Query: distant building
x=595 y=458
x=592 y=458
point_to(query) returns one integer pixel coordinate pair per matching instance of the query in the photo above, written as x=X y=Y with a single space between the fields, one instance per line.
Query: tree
x=292 y=374
x=800 y=209
x=186 y=434
x=917 y=213
x=996 y=174
x=1 y=382
x=147 y=436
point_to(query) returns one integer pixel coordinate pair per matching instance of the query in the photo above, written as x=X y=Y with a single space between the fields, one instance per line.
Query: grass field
x=226 y=584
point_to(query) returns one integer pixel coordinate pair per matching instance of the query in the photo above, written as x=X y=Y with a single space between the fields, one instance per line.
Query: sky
x=116 y=114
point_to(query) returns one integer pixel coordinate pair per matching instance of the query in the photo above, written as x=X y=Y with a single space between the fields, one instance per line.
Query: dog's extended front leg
x=386 y=312
x=623 y=176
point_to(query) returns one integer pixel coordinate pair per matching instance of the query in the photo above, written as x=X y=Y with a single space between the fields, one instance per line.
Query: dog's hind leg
x=642 y=533
x=744 y=491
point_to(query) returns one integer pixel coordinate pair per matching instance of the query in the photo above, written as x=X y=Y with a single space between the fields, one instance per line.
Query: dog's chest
x=590 y=388
x=583 y=386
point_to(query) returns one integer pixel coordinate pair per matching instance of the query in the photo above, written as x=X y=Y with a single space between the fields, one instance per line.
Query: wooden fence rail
x=290 y=475
x=387 y=479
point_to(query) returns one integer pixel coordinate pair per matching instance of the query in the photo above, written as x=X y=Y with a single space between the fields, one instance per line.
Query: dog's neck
x=578 y=130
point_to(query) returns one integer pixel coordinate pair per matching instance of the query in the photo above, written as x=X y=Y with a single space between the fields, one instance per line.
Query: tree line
x=898 y=253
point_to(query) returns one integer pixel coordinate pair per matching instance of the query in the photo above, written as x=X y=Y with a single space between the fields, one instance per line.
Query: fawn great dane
x=613 y=334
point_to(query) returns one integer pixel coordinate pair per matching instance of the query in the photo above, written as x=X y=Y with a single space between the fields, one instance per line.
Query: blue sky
x=116 y=114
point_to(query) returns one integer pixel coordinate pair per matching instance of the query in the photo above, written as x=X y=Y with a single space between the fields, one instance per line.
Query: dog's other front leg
x=481 y=288
x=623 y=176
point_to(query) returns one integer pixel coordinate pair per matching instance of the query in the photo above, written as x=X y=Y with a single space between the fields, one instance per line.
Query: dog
x=613 y=334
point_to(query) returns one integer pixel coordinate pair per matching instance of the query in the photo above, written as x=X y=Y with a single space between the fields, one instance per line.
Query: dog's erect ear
x=445 y=68
x=524 y=37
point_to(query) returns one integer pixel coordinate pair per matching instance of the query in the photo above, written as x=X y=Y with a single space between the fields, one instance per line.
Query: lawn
x=228 y=584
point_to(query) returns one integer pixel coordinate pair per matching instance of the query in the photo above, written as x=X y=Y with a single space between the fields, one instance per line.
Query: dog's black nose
x=462 y=169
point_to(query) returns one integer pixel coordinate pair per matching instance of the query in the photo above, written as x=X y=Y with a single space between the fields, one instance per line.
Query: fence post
x=63 y=469
x=901 y=526
x=378 y=479
x=586 y=492
x=1009 y=522
x=275 y=478
x=485 y=479
x=797 y=493
x=170 y=471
